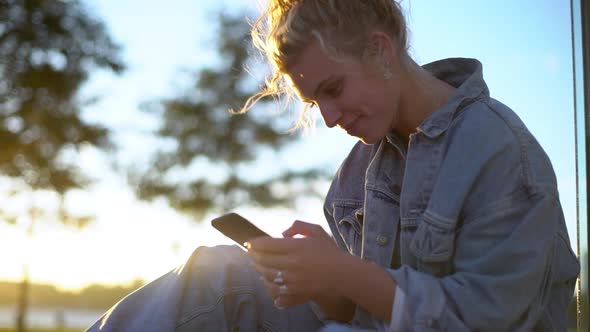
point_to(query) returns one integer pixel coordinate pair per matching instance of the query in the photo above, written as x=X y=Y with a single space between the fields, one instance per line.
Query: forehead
x=310 y=68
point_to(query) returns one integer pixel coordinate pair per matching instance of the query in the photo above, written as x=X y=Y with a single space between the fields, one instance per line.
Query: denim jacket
x=466 y=217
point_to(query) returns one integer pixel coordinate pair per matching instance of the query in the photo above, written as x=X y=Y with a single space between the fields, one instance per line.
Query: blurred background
x=117 y=147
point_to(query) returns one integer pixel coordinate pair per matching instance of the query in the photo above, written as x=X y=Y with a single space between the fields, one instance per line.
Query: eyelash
x=333 y=89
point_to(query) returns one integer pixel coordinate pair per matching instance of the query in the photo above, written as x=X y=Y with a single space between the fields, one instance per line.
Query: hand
x=308 y=264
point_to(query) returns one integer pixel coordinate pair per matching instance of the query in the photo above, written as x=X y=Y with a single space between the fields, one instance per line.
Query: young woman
x=445 y=216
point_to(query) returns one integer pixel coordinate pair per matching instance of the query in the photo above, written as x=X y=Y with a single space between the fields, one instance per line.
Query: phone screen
x=237 y=228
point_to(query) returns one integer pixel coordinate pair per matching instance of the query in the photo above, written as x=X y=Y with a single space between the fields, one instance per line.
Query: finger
x=285 y=296
x=275 y=290
x=287 y=301
x=271 y=274
x=275 y=261
x=273 y=245
x=303 y=228
x=248 y=244
x=271 y=289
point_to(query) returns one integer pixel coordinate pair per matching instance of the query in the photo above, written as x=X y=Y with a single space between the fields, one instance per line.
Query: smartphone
x=237 y=228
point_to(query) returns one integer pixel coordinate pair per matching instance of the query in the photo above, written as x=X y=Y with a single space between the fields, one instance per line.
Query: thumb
x=303 y=228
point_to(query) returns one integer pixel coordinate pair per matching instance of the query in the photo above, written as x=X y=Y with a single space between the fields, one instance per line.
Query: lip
x=350 y=127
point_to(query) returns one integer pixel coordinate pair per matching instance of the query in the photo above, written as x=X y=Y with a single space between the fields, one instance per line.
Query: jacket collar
x=464 y=74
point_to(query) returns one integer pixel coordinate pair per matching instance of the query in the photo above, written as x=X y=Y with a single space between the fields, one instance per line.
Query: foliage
x=47 y=50
x=208 y=140
x=92 y=297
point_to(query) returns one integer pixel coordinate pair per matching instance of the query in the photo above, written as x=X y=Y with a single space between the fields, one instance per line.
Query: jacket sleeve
x=510 y=263
x=502 y=271
x=317 y=310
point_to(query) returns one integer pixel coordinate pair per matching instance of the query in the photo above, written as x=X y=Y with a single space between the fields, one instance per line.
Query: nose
x=331 y=114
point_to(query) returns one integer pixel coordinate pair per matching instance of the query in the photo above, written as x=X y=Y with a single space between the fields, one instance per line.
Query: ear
x=382 y=47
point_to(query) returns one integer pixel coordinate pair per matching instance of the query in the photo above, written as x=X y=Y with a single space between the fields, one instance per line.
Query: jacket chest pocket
x=430 y=245
x=349 y=217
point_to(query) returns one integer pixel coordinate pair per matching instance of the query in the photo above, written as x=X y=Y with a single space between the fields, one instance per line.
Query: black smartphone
x=237 y=228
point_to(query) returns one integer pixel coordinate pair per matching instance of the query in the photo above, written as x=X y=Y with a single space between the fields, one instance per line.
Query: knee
x=218 y=257
x=221 y=266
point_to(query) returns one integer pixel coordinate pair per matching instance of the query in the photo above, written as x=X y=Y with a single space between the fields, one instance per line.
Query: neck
x=421 y=95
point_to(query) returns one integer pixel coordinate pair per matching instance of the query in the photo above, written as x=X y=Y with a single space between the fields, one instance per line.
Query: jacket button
x=382 y=239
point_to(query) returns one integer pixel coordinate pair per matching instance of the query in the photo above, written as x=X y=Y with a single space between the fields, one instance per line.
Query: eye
x=333 y=90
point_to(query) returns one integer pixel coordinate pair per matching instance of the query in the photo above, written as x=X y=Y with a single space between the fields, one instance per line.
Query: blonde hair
x=341 y=27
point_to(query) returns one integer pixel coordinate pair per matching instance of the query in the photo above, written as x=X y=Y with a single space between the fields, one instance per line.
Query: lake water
x=51 y=318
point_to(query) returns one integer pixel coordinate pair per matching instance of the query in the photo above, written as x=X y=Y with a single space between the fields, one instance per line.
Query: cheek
x=379 y=104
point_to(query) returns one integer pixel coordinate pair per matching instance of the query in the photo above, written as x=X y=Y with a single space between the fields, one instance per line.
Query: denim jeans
x=215 y=290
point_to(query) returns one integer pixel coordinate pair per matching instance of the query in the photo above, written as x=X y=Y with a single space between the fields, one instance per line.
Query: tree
x=47 y=50
x=214 y=151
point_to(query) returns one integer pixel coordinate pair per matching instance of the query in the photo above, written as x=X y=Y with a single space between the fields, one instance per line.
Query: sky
x=525 y=48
